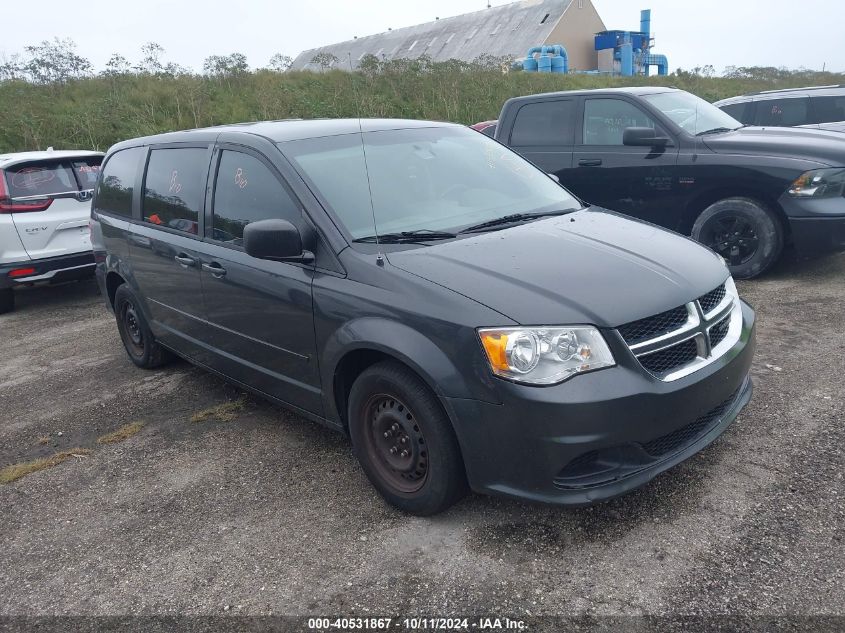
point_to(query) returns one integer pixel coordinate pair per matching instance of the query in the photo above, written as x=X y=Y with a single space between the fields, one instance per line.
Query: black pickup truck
x=671 y=158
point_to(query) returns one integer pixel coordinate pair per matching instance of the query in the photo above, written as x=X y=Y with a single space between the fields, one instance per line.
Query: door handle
x=215 y=269
x=590 y=162
x=185 y=260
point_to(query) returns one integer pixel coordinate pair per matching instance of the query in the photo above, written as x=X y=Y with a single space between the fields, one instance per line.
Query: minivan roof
x=816 y=91
x=285 y=130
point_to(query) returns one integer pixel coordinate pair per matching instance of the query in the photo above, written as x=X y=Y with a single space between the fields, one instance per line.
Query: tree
x=324 y=60
x=225 y=65
x=10 y=67
x=151 y=60
x=280 y=63
x=54 y=61
x=117 y=65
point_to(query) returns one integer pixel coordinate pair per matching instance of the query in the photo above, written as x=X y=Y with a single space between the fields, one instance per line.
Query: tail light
x=10 y=205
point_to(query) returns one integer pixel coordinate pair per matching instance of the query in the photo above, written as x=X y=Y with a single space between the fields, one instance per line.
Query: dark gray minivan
x=466 y=320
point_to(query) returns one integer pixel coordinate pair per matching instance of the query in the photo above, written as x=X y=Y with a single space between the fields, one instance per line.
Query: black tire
x=744 y=232
x=7 y=300
x=389 y=398
x=135 y=333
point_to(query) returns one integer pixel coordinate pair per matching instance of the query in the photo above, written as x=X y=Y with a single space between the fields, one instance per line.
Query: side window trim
x=143 y=184
x=214 y=173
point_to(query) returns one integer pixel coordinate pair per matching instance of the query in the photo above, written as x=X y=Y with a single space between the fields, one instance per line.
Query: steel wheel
x=133 y=334
x=395 y=443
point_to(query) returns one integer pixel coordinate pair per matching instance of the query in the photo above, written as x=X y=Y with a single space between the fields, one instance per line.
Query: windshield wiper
x=405 y=237
x=512 y=219
x=716 y=130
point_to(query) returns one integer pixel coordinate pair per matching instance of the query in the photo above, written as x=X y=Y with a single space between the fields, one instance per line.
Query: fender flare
x=406 y=345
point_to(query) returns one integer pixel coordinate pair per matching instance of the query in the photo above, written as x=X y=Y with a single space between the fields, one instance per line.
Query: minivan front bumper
x=600 y=434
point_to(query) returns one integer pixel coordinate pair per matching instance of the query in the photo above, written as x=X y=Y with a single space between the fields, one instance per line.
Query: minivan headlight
x=544 y=355
x=819 y=183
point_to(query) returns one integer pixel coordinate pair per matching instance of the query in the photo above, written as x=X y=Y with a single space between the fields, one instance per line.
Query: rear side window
x=40 y=179
x=783 y=112
x=737 y=110
x=174 y=188
x=543 y=123
x=247 y=191
x=114 y=192
x=828 y=109
x=605 y=120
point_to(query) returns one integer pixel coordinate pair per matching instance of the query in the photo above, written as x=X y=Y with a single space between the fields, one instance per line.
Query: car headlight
x=544 y=355
x=819 y=183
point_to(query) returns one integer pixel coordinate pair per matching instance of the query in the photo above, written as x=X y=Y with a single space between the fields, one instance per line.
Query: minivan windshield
x=422 y=180
x=693 y=114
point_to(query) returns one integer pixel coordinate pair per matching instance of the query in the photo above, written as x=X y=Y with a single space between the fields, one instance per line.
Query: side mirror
x=643 y=137
x=276 y=240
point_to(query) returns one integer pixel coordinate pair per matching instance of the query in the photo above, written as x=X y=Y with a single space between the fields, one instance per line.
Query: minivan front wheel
x=404 y=441
x=744 y=232
x=135 y=333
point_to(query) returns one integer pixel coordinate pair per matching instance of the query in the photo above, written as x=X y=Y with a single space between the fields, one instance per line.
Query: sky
x=690 y=32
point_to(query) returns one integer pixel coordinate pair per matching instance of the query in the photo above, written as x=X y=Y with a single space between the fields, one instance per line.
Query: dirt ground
x=252 y=510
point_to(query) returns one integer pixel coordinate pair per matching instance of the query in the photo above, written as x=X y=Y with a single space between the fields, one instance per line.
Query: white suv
x=45 y=205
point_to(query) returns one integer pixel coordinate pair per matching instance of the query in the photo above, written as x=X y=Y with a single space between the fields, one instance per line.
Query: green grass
x=99 y=111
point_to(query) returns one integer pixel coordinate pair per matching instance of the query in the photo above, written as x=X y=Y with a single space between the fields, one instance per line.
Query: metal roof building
x=504 y=31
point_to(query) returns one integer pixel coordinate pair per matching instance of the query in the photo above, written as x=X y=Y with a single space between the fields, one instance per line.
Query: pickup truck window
x=693 y=114
x=606 y=119
x=543 y=123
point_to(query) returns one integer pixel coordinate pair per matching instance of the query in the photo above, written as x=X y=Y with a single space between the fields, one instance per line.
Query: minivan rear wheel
x=135 y=333
x=7 y=300
x=744 y=232
x=404 y=441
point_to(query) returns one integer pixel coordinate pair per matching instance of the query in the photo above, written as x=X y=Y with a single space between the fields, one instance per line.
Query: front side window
x=246 y=191
x=782 y=112
x=692 y=114
x=174 y=188
x=544 y=123
x=828 y=109
x=605 y=120
x=437 y=179
x=114 y=191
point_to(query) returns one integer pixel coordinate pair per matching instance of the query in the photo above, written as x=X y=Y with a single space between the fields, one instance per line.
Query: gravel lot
x=269 y=514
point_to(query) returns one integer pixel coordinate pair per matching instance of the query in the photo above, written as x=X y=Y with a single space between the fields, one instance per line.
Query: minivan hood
x=587 y=267
x=821 y=146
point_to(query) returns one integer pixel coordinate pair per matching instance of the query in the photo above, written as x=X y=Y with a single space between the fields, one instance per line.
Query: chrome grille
x=712 y=299
x=651 y=327
x=719 y=331
x=671 y=357
x=674 y=343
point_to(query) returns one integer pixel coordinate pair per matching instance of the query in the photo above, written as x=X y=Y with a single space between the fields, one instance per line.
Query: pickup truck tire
x=135 y=333
x=7 y=300
x=404 y=440
x=744 y=232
